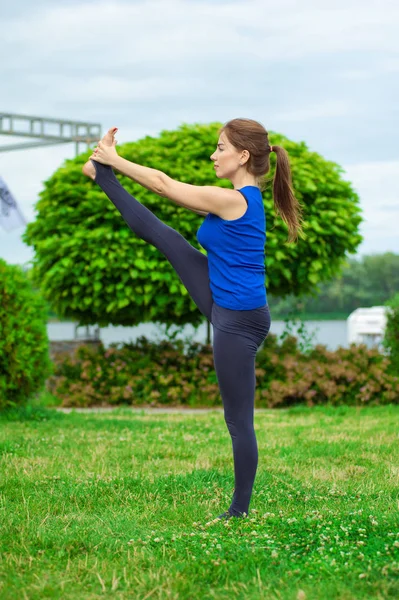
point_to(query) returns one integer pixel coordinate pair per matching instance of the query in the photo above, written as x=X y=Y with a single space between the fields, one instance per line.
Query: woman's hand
x=105 y=154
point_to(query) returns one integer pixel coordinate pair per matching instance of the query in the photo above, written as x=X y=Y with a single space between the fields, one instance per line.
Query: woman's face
x=226 y=158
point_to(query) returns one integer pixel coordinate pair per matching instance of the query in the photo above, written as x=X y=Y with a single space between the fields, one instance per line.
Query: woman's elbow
x=161 y=184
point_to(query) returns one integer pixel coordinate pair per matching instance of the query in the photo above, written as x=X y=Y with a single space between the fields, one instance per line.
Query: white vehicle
x=367 y=326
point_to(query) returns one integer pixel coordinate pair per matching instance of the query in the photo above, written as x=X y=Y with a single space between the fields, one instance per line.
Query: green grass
x=120 y=505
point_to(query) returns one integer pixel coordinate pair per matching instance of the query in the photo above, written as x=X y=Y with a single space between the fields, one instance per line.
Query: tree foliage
x=94 y=270
x=391 y=337
x=367 y=281
x=24 y=359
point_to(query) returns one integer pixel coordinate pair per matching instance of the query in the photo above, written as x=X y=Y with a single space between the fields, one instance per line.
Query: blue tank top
x=236 y=254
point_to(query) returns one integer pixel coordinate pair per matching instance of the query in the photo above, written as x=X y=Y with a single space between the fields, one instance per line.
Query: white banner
x=10 y=215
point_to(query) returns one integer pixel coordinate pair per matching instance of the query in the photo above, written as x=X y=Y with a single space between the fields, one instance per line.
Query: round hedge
x=92 y=268
x=24 y=347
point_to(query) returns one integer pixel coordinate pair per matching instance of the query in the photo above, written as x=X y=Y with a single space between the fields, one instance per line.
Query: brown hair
x=246 y=134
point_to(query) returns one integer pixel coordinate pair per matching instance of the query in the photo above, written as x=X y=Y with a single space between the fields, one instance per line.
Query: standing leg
x=190 y=264
x=234 y=358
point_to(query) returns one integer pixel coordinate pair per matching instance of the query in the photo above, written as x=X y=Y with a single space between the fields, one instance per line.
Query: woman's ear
x=245 y=156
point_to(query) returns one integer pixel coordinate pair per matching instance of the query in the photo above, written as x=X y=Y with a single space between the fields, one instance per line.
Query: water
x=329 y=333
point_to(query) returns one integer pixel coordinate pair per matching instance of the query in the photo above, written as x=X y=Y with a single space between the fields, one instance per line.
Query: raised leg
x=190 y=264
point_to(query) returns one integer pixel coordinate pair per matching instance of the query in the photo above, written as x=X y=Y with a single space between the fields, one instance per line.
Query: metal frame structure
x=47 y=131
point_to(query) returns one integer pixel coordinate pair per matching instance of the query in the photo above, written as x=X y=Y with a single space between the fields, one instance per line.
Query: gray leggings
x=237 y=334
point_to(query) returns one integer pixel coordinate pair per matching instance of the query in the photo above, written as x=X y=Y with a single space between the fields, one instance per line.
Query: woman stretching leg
x=238 y=328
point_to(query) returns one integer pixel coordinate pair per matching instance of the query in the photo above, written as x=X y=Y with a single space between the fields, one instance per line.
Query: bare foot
x=109 y=137
x=89 y=170
x=109 y=140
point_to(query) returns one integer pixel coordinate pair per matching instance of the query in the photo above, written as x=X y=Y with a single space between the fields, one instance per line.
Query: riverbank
x=331 y=334
x=333 y=316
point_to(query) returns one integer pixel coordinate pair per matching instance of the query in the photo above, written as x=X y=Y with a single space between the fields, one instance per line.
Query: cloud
x=357 y=74
x=390 y=207
x=377 y=184
x=157 y=32
x=329 y=109
x=112 y=89
x=390 y=65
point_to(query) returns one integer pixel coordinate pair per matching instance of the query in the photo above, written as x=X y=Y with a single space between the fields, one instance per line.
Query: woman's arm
x=202 y=199
x=147 y=177
x=199 y=212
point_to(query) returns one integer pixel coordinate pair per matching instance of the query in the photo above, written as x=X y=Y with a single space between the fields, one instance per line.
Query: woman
x=228 y=285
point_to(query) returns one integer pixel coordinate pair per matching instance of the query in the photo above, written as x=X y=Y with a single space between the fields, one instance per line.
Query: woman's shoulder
x=251 y=192
x=251 y=189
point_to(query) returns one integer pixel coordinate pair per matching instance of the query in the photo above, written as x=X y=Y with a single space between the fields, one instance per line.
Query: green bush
x=24 y=358
x=391 y=337
x=175 y=373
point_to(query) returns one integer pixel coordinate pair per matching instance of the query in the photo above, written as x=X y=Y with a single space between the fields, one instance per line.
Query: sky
x=326 y=73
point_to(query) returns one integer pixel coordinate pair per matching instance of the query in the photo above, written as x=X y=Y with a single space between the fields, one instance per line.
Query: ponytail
x=247 y=134
x=285 y=203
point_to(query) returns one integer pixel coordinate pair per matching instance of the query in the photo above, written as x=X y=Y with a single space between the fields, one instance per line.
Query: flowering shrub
x=355 y=375
x=142 y=373
x=174 y=373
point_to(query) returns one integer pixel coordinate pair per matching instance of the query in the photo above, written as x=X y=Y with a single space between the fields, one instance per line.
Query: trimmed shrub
x=178 y=374
x=391 y=337
x=24 y=357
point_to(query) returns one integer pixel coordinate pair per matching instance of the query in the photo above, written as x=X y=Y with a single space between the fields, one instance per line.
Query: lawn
x=121 y=505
